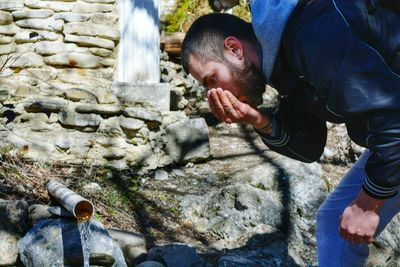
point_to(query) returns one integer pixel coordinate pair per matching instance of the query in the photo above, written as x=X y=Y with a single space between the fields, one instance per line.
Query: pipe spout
x=80 y=207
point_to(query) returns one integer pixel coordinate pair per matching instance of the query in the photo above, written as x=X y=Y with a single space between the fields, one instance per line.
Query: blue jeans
x=331 y=248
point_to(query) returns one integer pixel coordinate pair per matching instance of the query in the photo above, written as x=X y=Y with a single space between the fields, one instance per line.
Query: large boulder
x=14 y=224
x=58 y=242
x=188 y=140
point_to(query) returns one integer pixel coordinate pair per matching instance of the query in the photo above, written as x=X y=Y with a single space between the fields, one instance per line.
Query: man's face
x=246 y=82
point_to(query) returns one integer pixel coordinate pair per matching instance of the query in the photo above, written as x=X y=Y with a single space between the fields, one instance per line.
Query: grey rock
x=114 y=153
x=25 y=60
x=6 y=39
x=5 y=18
x=92 y=29
x=133 y=245
x=73 y=119
x=110 y=19
x=14 y=224
x=58 y=243
x=175 y=255
x=11 y=29
x=33 y=14
x=31 y=36
x=89 y=41
x=188 y=140
x=131 y=126
x=41 y=24
x=53 y=5
x=82 y=7
x=44 y=104
x=38 y=212
x=93 y=188
x=132 y=94
x=101 y=52
x=161 y=175
x=274 y=255
x=71 y=17
x=79 y=60
x=117 y=164
x=49 y=48
x=104 y=109
x=235 y=212
x=11 y=5
x=76 y=94
x=7 y=49
x=143 y=114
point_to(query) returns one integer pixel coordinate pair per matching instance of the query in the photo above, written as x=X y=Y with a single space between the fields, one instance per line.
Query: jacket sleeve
x=383 y=164
x=296 y=133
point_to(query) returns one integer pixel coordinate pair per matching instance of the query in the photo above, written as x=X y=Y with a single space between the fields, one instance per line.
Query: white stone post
x=139 y=49
x=138 y=79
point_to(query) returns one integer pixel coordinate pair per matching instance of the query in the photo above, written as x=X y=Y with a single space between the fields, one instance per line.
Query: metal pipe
x=80 y=207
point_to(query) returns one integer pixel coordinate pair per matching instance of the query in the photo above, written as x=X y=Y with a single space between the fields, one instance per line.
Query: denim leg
x=332 y=249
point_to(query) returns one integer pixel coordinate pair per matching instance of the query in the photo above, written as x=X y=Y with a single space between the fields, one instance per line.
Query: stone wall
x=57 y=67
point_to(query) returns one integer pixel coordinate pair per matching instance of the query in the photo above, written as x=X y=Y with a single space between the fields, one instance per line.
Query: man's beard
x=251 y=82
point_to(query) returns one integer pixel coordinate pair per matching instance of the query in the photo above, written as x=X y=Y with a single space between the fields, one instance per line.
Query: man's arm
x=291 y=131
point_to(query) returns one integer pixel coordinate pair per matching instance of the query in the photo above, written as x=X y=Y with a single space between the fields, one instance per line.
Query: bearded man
x=330 y=60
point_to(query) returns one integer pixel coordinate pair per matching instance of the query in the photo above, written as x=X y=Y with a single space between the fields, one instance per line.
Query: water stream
x=84 y=230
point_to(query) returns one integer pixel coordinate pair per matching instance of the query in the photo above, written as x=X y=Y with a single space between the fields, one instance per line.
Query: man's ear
x=234 y=47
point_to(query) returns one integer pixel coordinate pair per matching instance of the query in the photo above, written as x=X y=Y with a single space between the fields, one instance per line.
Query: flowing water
x=84 y=230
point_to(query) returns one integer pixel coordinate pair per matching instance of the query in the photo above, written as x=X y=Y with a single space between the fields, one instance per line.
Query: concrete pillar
x=139 y=49
x=138 y=79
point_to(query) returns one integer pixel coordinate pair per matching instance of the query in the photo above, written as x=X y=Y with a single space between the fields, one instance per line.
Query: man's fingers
x=230 y=112
x=215 y=104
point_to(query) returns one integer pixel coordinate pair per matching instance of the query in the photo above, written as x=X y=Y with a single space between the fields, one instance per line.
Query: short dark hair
x=205 y=37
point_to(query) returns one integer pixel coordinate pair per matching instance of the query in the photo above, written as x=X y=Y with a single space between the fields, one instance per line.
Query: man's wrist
x=367 y=202
x=263 y=124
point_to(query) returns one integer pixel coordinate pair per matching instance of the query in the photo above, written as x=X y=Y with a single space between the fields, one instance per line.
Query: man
x=330 y=60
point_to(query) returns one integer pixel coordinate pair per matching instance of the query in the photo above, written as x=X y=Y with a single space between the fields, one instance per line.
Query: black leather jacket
x=339 y=61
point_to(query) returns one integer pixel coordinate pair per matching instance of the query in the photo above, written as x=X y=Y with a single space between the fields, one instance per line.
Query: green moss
x=174 y=21
x=189 y=10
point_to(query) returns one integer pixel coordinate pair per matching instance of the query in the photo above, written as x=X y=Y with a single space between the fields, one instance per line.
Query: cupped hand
x=226 y=107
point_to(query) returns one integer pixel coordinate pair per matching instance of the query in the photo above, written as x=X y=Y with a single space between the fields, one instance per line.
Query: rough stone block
x=71 y=17
x=14 y=224
x=31 y=36
x=5 y=39
x=5 y=18
x=25 y=60
x=74 y=60
x=143 y=113
x=55 y=6
x=10 y=5
x=82 y=7
x=11 y=29
x=92 y=29
x=188 y=140
x=41 y=24
x=155 y=94
x=7 y=49
x=101 y=52
x=33 y=14
x=73 y=119
x=89 y=41
x=48 y=48
x=104 y=109
x=43 y=104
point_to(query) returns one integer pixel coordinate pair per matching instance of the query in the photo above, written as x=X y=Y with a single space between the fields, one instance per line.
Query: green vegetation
x=188 y=10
